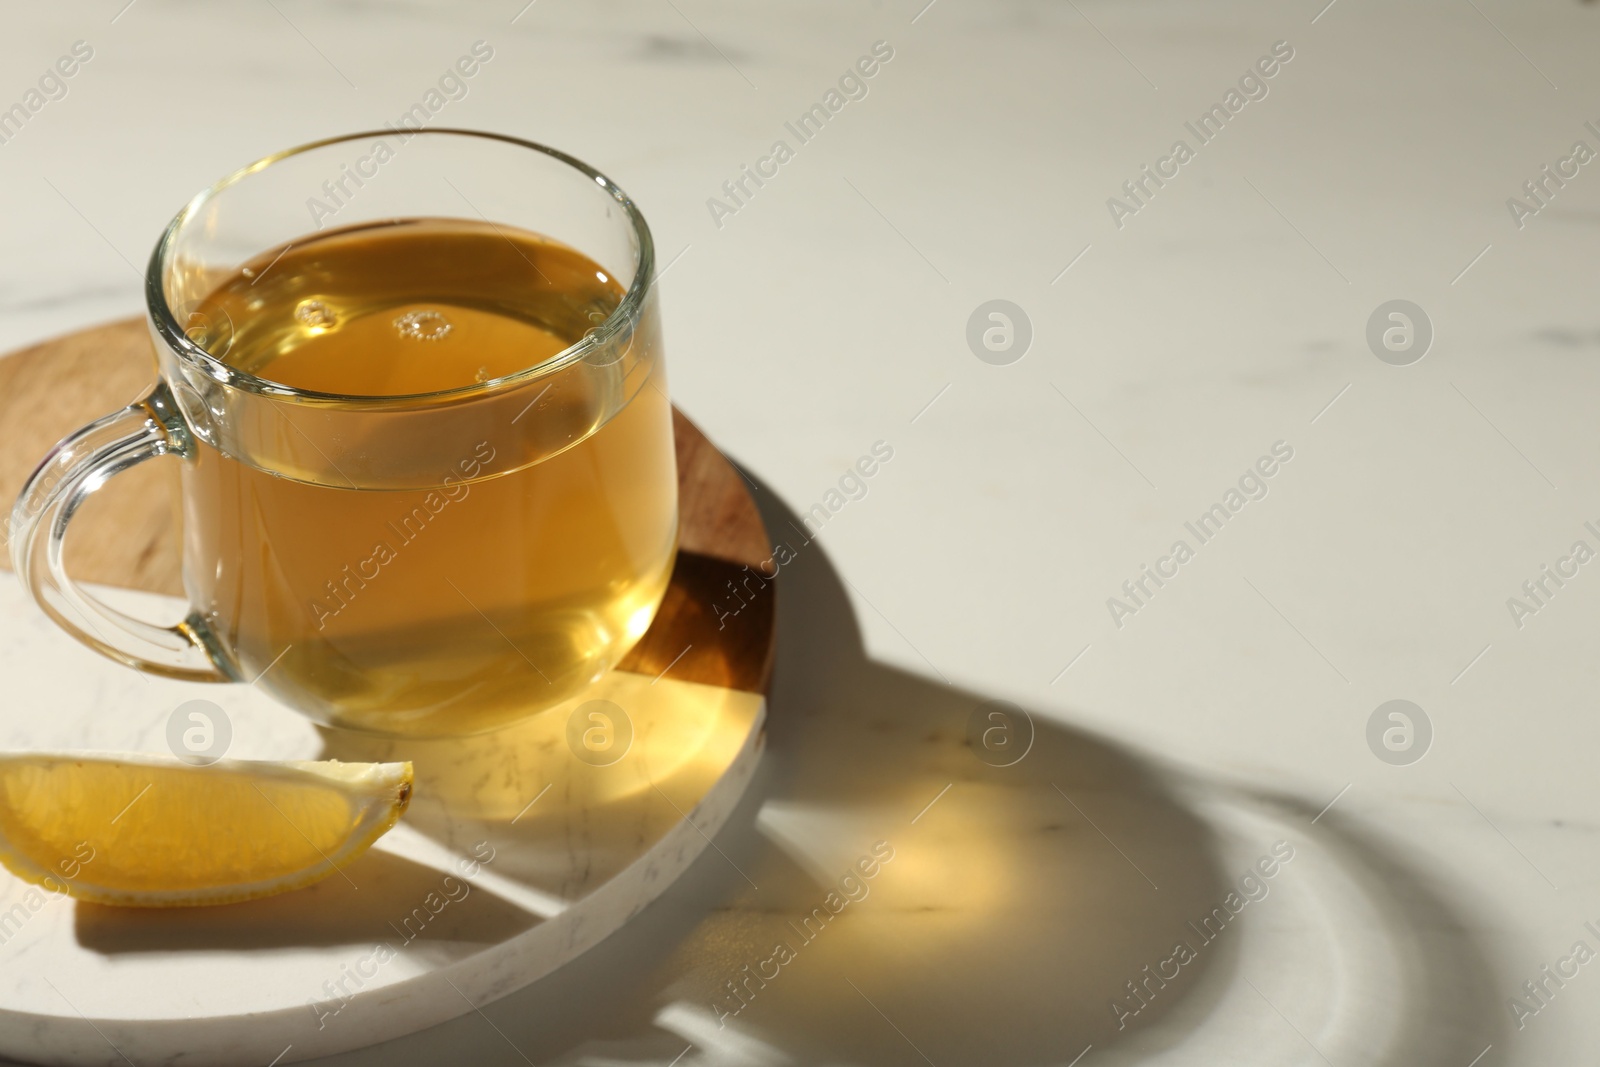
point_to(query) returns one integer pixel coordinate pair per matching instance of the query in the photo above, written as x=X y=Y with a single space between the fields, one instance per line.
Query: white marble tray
x=514 y=858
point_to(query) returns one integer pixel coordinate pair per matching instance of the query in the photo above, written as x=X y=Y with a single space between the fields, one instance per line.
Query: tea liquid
x=496 y=586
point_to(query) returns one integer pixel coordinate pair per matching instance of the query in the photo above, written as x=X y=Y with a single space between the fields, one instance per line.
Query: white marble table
x=1230 y=312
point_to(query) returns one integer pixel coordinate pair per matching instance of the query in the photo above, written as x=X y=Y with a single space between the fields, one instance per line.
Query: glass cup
x=431 y=564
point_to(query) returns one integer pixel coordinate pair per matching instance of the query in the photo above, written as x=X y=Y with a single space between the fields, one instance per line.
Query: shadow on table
x=331 y=912
x=1020 y=902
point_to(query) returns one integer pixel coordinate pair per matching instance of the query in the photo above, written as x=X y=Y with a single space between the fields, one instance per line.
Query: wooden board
x=127 y=535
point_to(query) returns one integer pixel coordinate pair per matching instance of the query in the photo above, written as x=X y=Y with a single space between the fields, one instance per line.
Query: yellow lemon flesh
x=147 y=831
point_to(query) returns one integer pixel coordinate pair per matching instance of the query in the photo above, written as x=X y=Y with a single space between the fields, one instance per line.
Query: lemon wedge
x=148 y=831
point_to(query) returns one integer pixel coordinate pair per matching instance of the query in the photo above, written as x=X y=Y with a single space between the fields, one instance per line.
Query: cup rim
x=170 y=333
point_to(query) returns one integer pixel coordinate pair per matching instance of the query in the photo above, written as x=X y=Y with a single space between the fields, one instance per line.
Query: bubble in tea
x=423 y=326
x=314 y=314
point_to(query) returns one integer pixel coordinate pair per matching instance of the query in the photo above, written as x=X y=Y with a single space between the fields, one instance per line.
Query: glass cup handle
x=76 y=467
